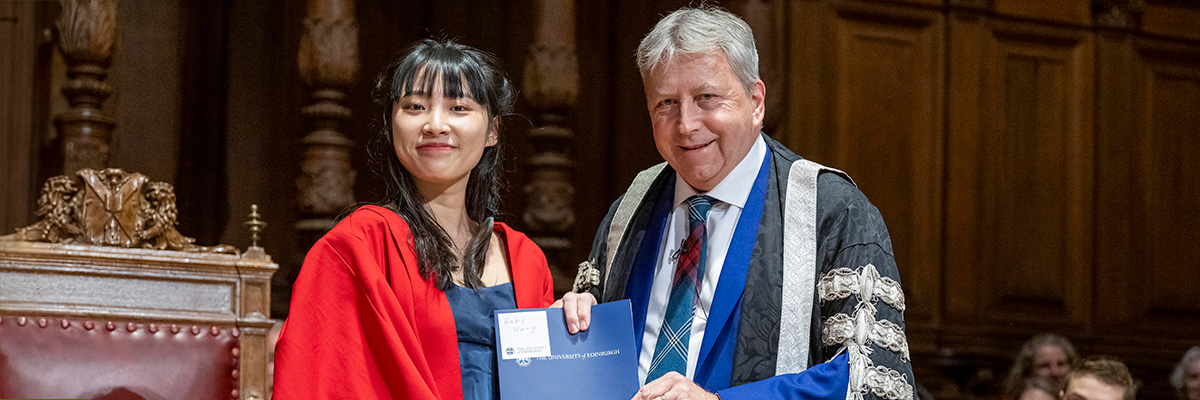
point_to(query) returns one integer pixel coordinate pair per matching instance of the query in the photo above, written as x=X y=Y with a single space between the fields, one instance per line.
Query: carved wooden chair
x=103 y=299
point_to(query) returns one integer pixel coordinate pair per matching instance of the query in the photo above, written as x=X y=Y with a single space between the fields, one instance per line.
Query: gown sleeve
x=352 y=330
x=857 y=256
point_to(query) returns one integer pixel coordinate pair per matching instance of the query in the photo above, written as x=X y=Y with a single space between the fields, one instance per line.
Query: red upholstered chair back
x=50 y=357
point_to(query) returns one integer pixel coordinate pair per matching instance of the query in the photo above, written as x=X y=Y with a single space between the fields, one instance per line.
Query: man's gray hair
x=705 y=29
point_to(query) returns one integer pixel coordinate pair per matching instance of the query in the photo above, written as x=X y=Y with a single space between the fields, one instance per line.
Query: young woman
x=396 y=300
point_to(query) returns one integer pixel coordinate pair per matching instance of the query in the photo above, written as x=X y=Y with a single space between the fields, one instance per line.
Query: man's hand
x=673 y=386
x=577 y=310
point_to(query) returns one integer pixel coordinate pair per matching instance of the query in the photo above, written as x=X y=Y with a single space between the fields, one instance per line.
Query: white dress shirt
x=731 y=193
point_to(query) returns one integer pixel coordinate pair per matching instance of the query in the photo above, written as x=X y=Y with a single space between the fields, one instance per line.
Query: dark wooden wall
x=1035 y=161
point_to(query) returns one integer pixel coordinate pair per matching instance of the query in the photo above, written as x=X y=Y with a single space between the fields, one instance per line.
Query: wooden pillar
x=768 y=20
x=550 y=86
x=86 y=34
x=328 y=60
x=328 y=64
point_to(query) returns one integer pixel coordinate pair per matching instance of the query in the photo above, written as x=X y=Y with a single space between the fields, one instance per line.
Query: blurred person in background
x=1100 y=378
x=1186 y=377
x=1047 y=357
x=1037 y=389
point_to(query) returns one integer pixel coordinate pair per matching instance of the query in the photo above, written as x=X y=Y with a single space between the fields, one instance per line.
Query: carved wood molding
x=86 y=35
x=1117 y=14
x=109 y=207
x=551 y=75
x=328 y=54
x=328 y=63
x=551 y=85
x=971 y=5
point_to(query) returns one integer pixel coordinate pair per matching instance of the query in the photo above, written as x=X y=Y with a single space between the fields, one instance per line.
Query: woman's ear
x=493 y=133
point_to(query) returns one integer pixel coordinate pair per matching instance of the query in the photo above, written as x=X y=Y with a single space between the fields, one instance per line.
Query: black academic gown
x=850 y=235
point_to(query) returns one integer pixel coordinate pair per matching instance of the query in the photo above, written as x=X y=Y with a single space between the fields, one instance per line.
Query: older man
x=746 y=264
x=1100 y=378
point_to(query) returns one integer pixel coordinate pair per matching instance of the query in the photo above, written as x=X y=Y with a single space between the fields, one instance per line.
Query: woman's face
x=440 y=139
x=1191 y=380
x=1050 y=364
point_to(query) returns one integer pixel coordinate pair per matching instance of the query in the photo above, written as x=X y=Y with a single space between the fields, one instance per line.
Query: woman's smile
x=436 y=147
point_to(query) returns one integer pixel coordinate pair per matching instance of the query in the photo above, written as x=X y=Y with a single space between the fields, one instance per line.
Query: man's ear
x=759 y=98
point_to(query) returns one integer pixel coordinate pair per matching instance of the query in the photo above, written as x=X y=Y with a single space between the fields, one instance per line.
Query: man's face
x=1087 y=387
x=704 y=121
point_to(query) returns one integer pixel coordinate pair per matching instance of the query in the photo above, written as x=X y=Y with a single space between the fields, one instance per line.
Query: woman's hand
x=577 y=310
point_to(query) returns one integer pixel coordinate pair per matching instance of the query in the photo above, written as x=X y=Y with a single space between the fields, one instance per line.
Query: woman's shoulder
x=519 y=245
x=369 y=222
x=530 y=271
x=512 y=235
x=365 y=240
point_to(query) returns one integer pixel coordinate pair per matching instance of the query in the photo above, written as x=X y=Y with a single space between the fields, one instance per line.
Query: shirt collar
x=735 y=188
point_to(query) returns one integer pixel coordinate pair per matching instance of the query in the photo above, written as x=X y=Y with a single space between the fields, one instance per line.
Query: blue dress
x=477 y=336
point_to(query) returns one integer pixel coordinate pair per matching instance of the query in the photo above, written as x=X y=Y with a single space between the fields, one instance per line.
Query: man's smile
x=699 y=146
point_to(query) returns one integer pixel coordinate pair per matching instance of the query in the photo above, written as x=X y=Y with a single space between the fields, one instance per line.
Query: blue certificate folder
x=597 y=364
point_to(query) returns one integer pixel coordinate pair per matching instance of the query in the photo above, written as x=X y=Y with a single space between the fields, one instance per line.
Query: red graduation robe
x=363 y=324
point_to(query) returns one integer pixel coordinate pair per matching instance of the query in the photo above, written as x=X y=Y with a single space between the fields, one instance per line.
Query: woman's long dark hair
x=463 y=71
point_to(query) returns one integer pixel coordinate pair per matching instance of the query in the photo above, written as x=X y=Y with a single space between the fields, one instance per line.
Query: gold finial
x=256 y=225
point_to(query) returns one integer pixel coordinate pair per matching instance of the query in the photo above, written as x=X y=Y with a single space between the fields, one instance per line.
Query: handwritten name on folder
x=539 y=359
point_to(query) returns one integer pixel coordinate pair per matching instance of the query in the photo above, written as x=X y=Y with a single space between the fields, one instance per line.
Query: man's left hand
x=673 y=386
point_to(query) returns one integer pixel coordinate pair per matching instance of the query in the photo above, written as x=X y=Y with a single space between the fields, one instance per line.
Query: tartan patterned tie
x=671 y=350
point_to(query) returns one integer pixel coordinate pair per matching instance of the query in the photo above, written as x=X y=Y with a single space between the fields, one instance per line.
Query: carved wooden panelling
x=866 y=87
x=886 y=114
x=17 y=88
x=1172 y=19
x=1019 y=222
x=1147 y=171
x=1170 y=168
x=1077 y=11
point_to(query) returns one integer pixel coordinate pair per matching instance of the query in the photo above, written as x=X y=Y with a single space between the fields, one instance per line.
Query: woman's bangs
x=455 y=76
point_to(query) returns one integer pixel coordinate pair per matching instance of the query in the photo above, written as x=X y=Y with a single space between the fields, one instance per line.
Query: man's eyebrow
x=704 y=87
x=658 y=93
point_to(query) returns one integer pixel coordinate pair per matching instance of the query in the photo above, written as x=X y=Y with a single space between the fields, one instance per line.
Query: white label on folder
x=523 y=334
